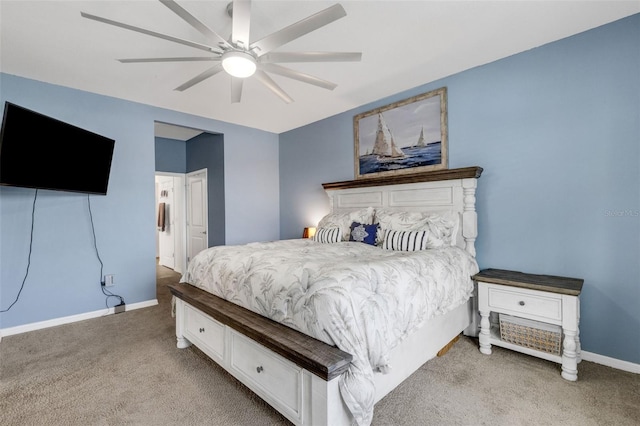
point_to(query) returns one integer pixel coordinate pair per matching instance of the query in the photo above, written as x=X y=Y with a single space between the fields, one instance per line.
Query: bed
x=324 y=328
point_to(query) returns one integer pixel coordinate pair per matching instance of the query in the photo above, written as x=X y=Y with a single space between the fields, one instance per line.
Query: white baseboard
x=611 y=362
x=72 y=318
x=586 y=356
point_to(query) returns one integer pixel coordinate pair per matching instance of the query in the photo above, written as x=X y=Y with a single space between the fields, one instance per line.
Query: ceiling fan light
x=239 y=64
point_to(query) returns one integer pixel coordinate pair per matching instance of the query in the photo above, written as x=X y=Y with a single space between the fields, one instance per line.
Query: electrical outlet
x=108 y=280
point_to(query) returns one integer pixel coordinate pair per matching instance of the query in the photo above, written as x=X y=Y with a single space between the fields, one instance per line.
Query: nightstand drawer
x=522 y=302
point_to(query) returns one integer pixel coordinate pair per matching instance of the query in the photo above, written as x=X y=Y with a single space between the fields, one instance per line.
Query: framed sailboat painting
x=408 y=136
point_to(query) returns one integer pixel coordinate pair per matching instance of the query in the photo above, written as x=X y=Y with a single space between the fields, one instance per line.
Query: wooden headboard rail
x=449 y=174
x=440 y=191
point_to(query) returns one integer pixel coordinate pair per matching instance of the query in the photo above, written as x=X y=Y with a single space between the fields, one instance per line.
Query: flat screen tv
x=41 y=152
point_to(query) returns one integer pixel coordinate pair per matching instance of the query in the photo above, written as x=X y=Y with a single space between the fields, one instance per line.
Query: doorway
x=197 y=156
x=170 y=214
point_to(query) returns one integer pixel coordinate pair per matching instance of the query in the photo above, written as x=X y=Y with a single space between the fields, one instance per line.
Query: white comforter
x=358 y=297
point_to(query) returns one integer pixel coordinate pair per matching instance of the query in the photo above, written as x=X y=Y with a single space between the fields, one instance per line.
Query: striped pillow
x=328 y=235
x=406 y=240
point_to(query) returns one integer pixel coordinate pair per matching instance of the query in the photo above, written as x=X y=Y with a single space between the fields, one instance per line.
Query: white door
x=196 y=213
x=166 y=236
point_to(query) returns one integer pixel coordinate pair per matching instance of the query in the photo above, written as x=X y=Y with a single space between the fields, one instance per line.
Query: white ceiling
x=404 y=44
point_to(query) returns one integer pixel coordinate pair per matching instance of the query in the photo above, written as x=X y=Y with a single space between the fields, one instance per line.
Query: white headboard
x=441 y=191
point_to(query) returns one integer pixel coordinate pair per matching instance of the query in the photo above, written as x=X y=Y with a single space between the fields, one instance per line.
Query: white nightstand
x=548 y=300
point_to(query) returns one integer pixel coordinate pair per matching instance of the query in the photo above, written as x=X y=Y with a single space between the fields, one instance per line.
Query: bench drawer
x=267 y=373
x=205 y=332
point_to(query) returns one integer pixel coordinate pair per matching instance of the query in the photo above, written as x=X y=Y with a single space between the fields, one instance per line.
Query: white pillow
x=328 y=235
x=344 y=220
x=442 y=227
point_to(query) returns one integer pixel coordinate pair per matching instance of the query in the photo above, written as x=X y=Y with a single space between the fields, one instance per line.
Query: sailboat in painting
x=384 y=147
x=386 y=155
x=421 y=143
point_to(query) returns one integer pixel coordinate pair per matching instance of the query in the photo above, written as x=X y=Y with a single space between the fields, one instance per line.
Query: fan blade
x=311 y=57
x=263 y=78
x=298 y=29
x=213 y=37
x=148 y=32
x=184 y=59
x=200 y=77
x=236 y=89
x=241 y=22
x=296 y=75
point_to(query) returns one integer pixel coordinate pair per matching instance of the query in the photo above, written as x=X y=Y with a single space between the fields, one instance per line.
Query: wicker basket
x=531 y=334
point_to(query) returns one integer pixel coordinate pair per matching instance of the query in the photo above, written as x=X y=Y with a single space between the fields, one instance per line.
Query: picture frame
x=408 y=136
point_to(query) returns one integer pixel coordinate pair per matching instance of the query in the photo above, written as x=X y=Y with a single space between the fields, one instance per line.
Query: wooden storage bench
x=288 y=369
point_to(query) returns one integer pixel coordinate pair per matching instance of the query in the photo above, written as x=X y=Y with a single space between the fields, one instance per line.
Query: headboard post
x=469 y=215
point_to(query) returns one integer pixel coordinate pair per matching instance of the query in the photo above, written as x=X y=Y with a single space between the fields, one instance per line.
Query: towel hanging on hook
x=161 y=216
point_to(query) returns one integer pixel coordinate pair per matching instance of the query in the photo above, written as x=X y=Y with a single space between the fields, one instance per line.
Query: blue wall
x=207 y=151
x=64 y=275
x=252 y=188
x=171 y=155
x=557 y=131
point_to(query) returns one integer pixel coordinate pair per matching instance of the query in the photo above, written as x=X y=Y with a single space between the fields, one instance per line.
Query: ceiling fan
x=241 y=58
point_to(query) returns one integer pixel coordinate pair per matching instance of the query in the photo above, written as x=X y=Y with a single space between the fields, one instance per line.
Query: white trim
x=172 y=174
x=586 y=356
x=611 y=362
x=72 y=318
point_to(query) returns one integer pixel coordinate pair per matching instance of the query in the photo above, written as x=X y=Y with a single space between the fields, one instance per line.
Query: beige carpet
x=125 y=369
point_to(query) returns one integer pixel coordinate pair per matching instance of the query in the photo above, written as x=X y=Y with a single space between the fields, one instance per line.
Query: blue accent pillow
x=363 y=233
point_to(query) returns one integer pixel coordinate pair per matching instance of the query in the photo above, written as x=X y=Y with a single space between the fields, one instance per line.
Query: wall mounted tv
x=37 y=151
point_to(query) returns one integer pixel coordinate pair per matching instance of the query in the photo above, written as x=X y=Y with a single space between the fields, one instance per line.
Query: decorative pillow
x=405 y=240
x=344 y=220
x=363 y=233
x=328 y=235
x=442 y=227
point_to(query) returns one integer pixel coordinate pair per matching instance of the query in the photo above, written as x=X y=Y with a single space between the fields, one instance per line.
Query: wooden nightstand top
x=550 y=283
